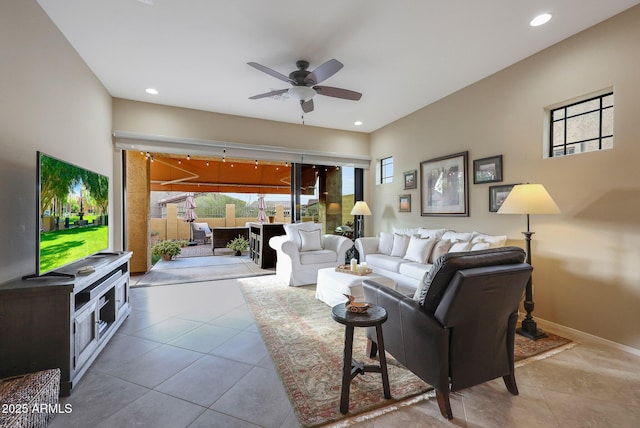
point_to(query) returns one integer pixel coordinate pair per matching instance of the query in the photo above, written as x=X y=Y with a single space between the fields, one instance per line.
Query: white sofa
x=406 y=255
x=304 y=249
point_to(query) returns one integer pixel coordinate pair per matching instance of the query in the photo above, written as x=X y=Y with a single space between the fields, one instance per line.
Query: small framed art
x=410 y=180
x=497 y=195
x=404 y=203
x=487 y=170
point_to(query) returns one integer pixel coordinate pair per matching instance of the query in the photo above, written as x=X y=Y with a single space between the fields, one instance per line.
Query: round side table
x=374 y=317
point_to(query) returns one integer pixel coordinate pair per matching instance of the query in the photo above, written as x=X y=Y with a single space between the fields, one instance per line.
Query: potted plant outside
x=238 y=244
x=167 y=250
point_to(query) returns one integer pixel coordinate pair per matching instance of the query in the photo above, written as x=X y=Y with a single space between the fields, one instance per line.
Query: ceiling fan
x=305 y=83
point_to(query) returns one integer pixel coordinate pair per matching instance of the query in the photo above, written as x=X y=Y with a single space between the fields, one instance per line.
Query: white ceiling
x=402 y=55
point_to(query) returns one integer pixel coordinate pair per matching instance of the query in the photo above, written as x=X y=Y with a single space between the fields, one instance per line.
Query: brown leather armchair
x=461 y=332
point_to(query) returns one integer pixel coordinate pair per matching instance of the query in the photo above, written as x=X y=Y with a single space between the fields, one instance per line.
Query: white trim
x=178 y=145
x=582 y=337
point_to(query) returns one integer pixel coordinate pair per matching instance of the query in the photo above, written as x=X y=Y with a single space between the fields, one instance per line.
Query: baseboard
x=582 y=337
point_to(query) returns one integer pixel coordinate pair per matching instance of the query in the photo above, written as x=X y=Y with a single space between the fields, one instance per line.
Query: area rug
x=306 y=346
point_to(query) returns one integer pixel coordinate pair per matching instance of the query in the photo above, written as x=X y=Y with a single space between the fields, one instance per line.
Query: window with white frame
x=582 y=126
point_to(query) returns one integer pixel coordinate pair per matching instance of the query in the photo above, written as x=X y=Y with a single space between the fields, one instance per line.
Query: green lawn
x=59 y=247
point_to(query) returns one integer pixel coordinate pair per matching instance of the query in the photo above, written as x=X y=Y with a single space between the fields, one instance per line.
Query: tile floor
x=190 y=355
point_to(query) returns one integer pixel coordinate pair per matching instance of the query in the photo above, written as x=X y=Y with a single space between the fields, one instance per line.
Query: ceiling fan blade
x=307 y=106
x=324 y=71
x=269 y=94
x=338 y=93
x=270 y=72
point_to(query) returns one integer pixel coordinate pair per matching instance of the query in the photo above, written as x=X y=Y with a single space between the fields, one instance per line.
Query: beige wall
x=154 y=119
x=587 y=275
x=50 y=102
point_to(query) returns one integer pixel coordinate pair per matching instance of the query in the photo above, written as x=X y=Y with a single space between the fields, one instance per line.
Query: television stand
x=63 y=320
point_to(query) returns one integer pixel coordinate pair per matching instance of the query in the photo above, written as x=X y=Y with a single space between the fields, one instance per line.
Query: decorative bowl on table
x=356 y=307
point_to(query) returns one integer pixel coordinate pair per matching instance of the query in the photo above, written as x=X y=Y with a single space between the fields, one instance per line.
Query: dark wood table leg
x=346 y=369
x=383 y=362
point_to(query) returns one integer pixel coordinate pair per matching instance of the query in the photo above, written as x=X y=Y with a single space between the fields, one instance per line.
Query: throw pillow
x=310 y=240
x=494 y=241
x=419 y=249
x=457 y=236
x=385 y=244
x=400 y=244
x=439 y=249
x=291 y=230
x=405 y=230
x=460 y=247
x=431 y=233
x=479 y=246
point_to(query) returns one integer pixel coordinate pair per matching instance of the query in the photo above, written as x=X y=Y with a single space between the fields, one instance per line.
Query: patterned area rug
x=307 y=348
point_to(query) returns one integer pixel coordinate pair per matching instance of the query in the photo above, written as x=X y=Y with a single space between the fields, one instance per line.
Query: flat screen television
x=73 y=209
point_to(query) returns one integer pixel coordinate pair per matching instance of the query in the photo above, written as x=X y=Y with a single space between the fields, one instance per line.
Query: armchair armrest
x=367 y=245
x=286 y=250
x=337 y=243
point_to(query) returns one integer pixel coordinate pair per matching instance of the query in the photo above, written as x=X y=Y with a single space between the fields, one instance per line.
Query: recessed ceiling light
x=151 y=91
x=357 y=123
x=540 y=19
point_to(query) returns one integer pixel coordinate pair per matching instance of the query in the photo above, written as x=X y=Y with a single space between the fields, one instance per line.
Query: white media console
x=56 y=322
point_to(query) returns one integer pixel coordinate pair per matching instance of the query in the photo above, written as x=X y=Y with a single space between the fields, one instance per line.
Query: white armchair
x=303 y=250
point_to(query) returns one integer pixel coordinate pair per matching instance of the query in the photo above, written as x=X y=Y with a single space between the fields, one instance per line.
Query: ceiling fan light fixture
x=301 y=93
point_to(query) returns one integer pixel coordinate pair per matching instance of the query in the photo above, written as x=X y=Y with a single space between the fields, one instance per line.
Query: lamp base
x=530 y=330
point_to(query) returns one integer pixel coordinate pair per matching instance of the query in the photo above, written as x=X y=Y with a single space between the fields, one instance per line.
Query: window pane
x=607 y=122
x=583 y=107
x=607 y=101
x=558 y=133
x=583 y=127
x=557 y=114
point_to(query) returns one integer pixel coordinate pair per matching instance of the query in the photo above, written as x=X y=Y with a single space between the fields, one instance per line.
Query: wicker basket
x=24 y=399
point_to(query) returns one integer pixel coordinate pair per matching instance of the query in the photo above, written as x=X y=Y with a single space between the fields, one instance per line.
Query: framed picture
x=404 y=203
x=487 y=170
x=444 y=186
x=410 y=180
x=497 y=195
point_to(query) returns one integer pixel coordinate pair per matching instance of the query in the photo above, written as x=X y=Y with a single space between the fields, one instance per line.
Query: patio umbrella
x=190 y=215
x=262 y=206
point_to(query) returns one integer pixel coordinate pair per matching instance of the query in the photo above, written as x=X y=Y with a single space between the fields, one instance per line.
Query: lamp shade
x=361 y=208
x=529 y=199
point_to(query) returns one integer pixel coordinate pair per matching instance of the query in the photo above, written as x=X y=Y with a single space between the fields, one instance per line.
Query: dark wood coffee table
x=374 y=317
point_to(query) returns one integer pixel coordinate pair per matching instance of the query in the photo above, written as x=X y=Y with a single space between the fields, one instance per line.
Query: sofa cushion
x=414 y=270
x=419 y=249
x=400 y=244
x=385 y=243
x=438 y=278
x=317 y=257
x=291 y=229
x=310 y=240
x=439 y=249
x=383 y=261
